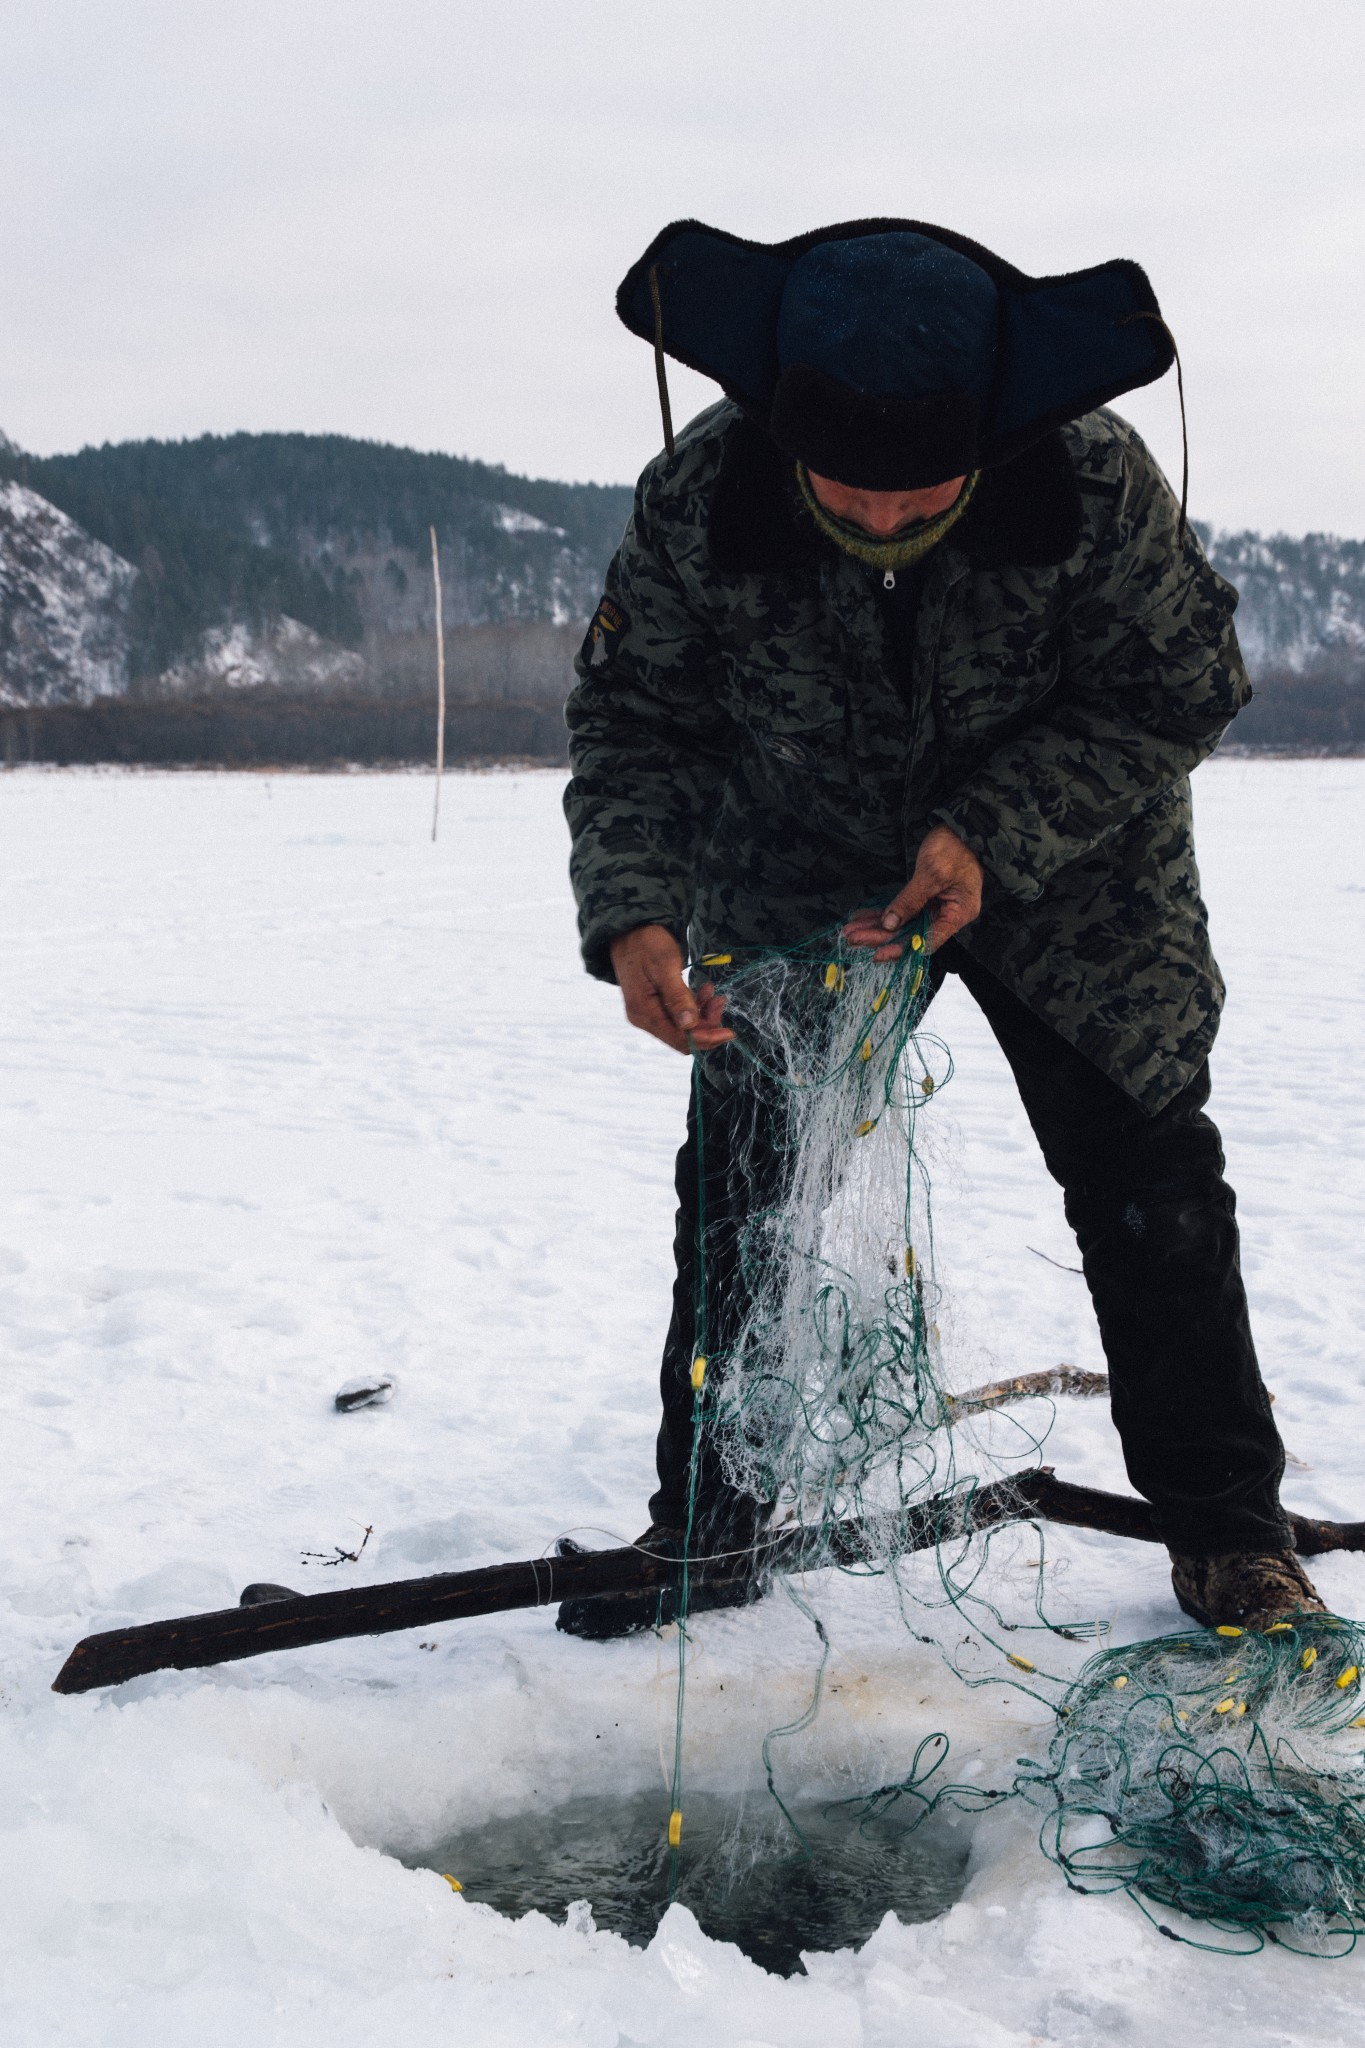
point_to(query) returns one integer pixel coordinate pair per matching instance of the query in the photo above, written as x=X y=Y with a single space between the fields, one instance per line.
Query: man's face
x=883 y=513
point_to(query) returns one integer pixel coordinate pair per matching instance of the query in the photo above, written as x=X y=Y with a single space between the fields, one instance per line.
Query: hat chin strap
x=1157 y=321
x=660 y=368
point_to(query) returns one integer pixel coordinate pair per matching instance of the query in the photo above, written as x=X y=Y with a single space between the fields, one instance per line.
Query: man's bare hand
x=947 y=881
x=649 y=967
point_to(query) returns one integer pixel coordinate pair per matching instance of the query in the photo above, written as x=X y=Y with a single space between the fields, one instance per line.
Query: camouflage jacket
x=751 y=762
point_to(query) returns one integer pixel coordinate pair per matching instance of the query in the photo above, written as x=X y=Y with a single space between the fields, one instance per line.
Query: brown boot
x=1244 y=1588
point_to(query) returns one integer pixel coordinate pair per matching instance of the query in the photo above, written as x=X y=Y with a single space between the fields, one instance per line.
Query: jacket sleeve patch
x=610 y=623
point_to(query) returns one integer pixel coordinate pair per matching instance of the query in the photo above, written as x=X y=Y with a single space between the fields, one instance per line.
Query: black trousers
x=1156 y=1225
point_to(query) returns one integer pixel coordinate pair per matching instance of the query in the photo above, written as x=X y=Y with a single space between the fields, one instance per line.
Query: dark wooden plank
x=197 y=1640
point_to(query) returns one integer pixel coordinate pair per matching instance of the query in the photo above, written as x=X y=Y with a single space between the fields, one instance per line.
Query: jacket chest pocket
x=794 y=726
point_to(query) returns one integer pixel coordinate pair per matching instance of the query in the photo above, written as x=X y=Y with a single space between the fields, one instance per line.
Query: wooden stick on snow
x=1060 y=1379
x=303 y=1619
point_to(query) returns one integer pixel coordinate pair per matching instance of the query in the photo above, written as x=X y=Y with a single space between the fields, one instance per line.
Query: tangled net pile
x=1217 y=1774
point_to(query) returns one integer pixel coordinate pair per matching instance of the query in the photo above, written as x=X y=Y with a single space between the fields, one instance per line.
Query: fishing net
x=1214 y=1774
x=829 y=1403
x=1219 y=1774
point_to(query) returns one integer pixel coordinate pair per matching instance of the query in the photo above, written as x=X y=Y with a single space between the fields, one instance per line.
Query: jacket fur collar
x=1025 y=514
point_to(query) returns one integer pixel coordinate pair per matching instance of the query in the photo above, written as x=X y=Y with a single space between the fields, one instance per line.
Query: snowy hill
x=65 y=601
x=1302 y=601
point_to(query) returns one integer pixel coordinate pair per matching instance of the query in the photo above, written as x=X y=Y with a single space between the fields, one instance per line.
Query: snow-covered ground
x=287 y=1093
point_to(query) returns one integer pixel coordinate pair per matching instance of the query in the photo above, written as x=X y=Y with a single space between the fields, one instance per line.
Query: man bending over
x=911 y=622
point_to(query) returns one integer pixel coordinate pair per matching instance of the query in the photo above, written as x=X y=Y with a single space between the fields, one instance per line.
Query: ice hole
x=742 y=1871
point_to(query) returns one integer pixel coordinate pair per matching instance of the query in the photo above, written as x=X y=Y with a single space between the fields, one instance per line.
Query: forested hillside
x=298 y=566
x=329 y=531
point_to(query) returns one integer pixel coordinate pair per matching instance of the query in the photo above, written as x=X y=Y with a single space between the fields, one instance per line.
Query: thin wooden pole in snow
x=440 y=683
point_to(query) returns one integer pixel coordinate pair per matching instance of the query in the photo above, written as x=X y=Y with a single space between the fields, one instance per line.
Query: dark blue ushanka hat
x=891 y=355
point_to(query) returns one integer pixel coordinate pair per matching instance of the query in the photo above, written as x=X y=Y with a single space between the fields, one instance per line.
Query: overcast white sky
x=407 y=218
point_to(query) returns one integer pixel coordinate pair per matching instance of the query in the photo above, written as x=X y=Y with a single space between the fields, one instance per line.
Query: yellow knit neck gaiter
x=902 y=550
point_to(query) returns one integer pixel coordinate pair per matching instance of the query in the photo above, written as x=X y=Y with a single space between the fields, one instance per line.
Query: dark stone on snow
x=371 y=1390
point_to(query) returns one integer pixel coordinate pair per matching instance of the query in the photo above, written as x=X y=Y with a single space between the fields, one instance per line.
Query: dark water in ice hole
x=741 y=1870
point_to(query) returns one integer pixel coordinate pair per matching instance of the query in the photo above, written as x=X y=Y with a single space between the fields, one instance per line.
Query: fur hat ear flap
x=1057 y=346
x=871 y=443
